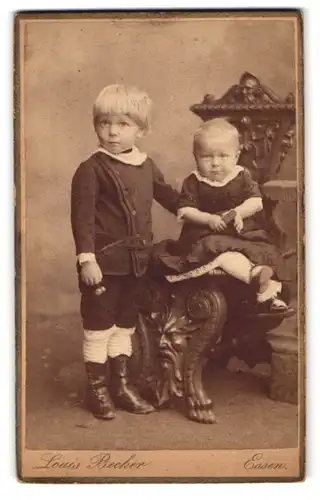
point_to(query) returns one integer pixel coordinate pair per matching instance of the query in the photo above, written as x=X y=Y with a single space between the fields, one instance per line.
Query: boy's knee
x=98 y=336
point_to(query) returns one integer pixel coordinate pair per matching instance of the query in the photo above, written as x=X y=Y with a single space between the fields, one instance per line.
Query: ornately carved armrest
x=276 y=191
x=280 y=190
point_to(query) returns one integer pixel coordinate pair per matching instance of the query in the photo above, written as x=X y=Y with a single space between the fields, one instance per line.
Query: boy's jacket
x=111 y=211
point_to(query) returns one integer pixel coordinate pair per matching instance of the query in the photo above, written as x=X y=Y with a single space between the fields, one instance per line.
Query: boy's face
x=216 y=157
x=117 y=132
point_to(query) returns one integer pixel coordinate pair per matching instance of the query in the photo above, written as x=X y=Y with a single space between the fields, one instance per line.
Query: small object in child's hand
x=99 y=289
x=229 y=216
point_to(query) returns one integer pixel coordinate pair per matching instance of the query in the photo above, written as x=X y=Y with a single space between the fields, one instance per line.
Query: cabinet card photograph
x=159 y=176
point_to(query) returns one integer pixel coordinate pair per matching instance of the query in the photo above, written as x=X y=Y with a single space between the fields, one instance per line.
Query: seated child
x=220 y=205
x=111 y=200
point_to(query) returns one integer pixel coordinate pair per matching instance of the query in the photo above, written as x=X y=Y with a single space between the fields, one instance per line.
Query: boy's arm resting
x=83 y=200
x=163 y=193
x=194 y=215
x=189 y=203
x=189 y=196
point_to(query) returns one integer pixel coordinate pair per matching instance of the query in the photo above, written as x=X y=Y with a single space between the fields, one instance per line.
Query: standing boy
x=111 y=200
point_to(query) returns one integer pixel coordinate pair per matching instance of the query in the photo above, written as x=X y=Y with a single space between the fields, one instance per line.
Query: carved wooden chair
x=184 y=324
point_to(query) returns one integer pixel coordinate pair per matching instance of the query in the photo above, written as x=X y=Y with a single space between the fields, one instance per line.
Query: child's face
x=216 y=157
x=117 y=132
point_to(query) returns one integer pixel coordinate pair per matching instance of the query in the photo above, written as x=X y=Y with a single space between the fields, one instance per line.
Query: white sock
x=95 y=345
x=120 y=342
x=273 y=288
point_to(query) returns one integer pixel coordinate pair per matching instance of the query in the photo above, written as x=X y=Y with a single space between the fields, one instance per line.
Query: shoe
x=98 y=399
x=126 y=396
x=278 y=306
x=274 y=307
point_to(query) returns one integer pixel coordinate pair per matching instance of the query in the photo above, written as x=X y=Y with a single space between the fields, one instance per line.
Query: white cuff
x=86 y=257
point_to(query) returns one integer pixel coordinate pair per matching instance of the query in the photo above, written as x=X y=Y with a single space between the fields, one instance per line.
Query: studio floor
x=57 y=420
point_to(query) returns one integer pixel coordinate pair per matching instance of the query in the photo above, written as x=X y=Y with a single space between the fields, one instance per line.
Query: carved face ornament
x=173 y=332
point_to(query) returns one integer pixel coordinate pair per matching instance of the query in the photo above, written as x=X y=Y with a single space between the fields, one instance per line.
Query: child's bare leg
x=260 y=277
x=240 y=267
x=235 y=264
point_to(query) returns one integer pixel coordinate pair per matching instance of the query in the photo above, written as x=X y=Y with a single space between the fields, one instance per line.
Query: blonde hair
x=127 y=100
x=215 y=129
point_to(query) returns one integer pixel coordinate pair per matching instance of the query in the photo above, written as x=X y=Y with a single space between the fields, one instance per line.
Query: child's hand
x=216 y=223
x=91 y=273
x=238 y=223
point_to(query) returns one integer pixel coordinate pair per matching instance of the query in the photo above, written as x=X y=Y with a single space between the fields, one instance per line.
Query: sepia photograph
x=159 y=242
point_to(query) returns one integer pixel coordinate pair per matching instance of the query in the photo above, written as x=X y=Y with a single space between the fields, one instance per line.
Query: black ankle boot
x=98 y=398
x=126 y=396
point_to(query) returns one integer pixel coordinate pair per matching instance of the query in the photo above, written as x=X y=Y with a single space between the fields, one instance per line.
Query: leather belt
x=130 y=243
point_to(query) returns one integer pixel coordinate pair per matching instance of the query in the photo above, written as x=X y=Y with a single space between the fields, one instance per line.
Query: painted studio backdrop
x=177 y=63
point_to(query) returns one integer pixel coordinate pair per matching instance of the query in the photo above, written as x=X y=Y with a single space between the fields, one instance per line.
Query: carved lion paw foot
x=202 y=416
x=202 y=413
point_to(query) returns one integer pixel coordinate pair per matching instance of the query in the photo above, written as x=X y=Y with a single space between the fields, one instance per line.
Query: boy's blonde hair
x=216 y=128
x=127 y=100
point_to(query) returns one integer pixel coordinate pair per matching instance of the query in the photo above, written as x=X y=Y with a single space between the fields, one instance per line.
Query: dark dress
x=198 y=245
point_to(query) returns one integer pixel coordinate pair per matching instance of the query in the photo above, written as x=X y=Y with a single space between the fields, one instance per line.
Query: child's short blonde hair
x=127 y=100
x=215 y=129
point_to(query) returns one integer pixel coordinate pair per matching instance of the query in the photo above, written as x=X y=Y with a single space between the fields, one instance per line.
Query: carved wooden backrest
x=266 y=125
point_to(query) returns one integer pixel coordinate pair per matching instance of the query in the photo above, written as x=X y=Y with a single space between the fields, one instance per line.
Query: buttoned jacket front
x=111 y=211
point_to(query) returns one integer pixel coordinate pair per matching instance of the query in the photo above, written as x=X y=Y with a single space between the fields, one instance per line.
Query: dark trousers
x=116 y=306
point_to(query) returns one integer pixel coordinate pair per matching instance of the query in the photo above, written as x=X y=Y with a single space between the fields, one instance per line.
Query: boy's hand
x=216 y=223
x=91 y=273
x=238 y=223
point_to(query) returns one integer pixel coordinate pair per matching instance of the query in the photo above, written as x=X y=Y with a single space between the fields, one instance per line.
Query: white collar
x=134 y=157
x=237 y=169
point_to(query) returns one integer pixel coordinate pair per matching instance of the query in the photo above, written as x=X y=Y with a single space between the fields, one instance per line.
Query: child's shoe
x=278 y=305
x=270 y=303
x=98 y=398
